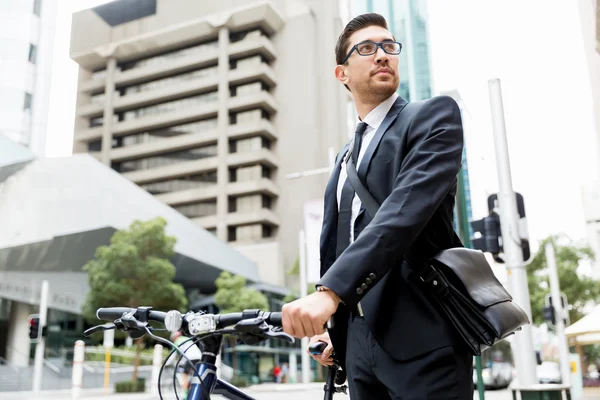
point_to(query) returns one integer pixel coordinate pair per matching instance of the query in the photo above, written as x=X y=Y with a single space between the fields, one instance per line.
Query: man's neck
x=363 y=109
x=365 y=106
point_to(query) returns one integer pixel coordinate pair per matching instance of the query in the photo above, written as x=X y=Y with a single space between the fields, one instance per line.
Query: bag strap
x=369 y=202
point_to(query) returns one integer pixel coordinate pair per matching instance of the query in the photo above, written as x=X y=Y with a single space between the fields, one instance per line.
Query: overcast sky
x=536 y=49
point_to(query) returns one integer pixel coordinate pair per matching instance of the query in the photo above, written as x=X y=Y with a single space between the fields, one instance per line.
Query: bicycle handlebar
x=113 y=313
x=220 y=320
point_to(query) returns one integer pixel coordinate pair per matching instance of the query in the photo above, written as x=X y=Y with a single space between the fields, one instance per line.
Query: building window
x=187 y=182
x=175 y=105
x=266 y=202
x=248 y=145
x=231 y=233
x=169 y=132
x=98 y=121
x=32 y=53
x=249 y=232
x=95 y=145
x=97 y=98
x=266 y=172
x=267 y=231
x=248 y=88
x=248 y=116
x=27 y=104
x=99 y=74
x=171 y=80
x=37 y=7
x=166 y=159
x=201 y=48
x=198 y=209
x=249 y=34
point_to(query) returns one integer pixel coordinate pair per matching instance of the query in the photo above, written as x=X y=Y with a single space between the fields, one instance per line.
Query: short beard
x=370 y=96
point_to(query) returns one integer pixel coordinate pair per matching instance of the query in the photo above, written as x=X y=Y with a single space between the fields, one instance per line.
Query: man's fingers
x=307 y=326
x=287 y=322
x=327 y=352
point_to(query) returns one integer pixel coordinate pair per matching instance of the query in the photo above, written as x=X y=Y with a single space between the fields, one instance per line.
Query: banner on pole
x=313 y=220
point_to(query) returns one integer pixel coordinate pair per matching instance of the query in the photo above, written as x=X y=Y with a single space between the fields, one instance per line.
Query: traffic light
x=549 y=315
x=523 y=231
x=565 y=306
x=34 y=327
x=489 y=229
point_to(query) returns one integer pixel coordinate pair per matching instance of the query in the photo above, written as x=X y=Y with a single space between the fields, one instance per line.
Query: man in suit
x=388 y=333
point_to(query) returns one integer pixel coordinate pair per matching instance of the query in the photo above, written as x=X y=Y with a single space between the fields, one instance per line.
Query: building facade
x=210 y=105
x=26 y=47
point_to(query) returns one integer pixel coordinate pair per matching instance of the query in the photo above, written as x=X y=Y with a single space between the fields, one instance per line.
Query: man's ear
x=340 y=74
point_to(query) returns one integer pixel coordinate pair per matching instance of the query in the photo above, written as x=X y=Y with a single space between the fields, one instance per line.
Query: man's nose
x=381 y=56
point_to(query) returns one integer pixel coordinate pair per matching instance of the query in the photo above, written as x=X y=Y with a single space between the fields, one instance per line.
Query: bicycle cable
x=176 y=348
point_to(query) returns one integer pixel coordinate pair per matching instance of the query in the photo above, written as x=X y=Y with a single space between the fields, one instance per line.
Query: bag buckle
x=436 y=282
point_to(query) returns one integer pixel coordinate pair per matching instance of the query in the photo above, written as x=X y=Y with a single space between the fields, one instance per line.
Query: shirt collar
x=377 y=115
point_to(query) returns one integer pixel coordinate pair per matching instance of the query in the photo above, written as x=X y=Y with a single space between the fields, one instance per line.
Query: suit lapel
x=387 y=121
x=330 y=212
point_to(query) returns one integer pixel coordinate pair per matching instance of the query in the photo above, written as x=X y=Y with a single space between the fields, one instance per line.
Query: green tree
x=134 y=270
x=234 y=296
x=580 y=290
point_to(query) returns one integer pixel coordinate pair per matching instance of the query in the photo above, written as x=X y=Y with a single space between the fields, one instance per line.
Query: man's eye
x=366 y=48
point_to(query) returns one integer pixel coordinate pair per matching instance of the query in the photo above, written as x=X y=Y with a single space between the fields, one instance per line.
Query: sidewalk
x=97 y=394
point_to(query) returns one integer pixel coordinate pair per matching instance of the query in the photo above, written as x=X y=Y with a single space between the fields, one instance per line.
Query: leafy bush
x=131 y=386
x=239 y=381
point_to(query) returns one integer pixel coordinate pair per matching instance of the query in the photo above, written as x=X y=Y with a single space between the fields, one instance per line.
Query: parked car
x=498 y=376
x=549 y=372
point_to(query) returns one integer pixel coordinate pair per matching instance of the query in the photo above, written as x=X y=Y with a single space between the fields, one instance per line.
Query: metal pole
x=109 y=340
x=41 y=345
x=563 y=347
x=77 y=379
x=303 y=293
x=156 y=363
x=513 y=257
x=463 y=230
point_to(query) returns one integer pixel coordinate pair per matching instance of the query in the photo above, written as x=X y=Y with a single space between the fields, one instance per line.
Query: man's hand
x=307 y=316
x=325 y=358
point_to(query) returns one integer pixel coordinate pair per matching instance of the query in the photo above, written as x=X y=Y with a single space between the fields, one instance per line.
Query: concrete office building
x=56 y=212
x=26 y=48
x=210 y=105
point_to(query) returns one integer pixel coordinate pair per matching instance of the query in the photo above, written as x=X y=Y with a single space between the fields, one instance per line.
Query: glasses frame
x=377 y=46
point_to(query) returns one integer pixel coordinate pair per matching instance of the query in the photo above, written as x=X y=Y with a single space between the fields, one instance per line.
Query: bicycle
x=334 y=383
x=250 y=326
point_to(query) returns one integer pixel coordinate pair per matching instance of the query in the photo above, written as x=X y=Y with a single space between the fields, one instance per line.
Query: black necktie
x=345 y=213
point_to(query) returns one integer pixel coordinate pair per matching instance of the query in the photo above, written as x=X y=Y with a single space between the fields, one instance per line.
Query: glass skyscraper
x=407 y=20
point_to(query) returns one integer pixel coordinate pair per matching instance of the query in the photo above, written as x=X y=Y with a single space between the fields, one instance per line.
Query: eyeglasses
x=368 y=48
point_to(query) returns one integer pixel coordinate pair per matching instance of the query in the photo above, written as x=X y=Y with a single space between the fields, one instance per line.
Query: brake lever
x=280 y=336
x=98 y=328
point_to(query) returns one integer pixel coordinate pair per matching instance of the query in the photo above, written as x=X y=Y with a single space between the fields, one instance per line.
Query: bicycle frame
x=207 y=370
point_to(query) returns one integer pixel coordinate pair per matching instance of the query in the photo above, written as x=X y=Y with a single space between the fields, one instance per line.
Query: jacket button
x=372 y=275
x=364 y=286
x=369 y=281
x=359 y=291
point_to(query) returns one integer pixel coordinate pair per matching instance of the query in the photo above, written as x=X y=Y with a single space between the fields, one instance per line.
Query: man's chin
x=384 y=89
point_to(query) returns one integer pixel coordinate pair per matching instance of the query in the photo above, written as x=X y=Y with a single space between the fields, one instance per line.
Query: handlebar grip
x=317 y=348
x=112 y=313
x=275 y=319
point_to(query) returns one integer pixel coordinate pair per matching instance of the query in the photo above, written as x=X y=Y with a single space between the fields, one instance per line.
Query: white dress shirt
x=373 y=120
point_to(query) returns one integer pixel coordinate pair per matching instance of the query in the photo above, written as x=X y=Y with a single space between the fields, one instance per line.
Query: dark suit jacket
x=411 y=168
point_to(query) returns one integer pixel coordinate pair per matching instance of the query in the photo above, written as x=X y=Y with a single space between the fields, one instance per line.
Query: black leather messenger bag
x=463 y=284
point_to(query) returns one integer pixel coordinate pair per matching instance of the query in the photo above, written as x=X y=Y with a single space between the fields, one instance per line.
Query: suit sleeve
x=427 y=173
